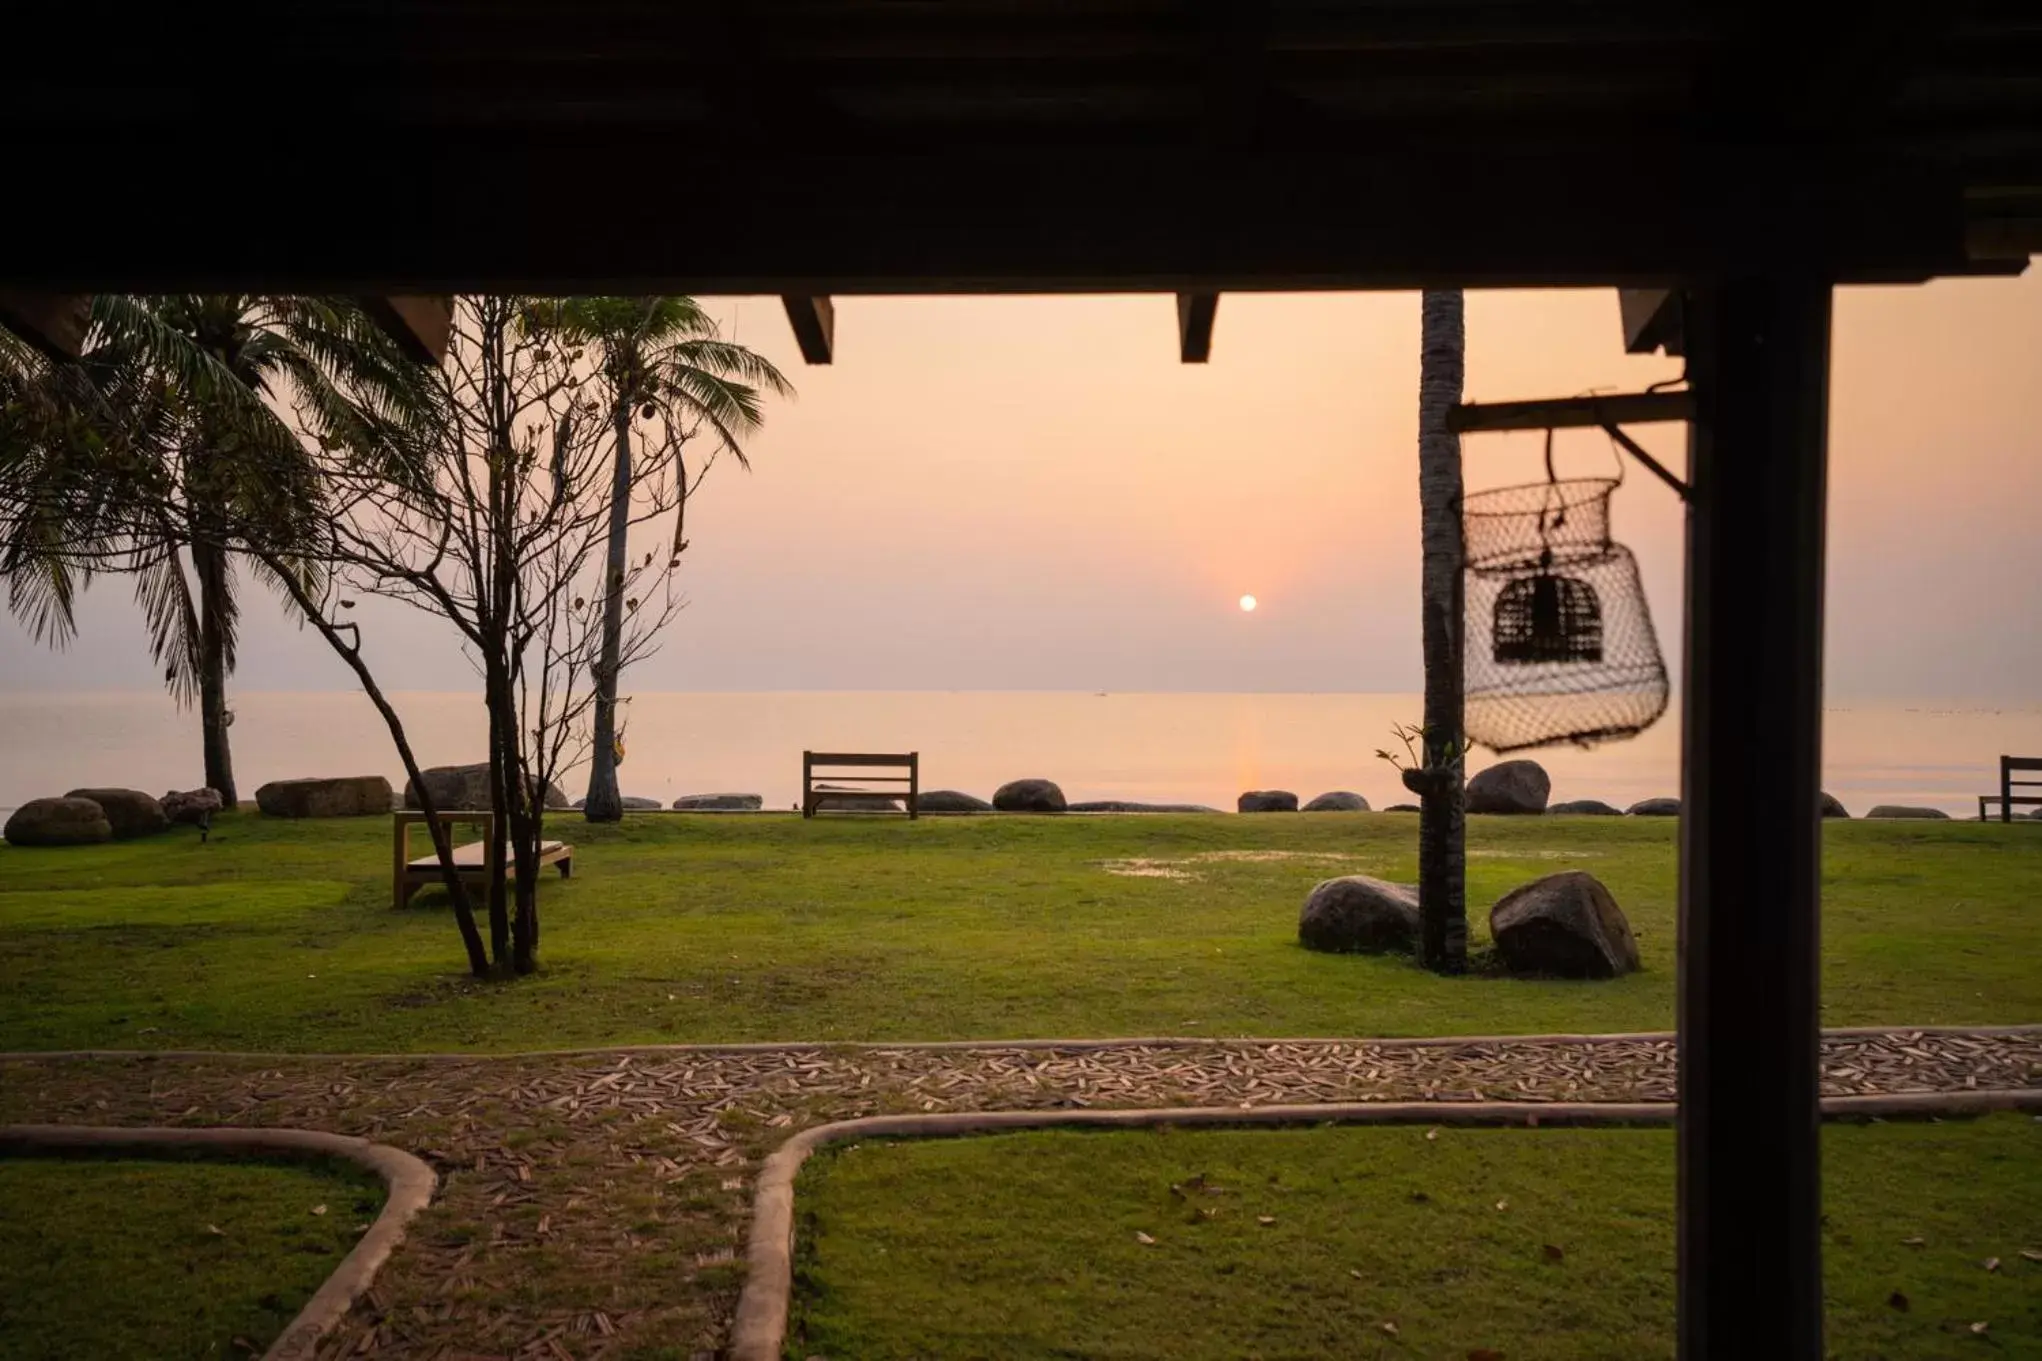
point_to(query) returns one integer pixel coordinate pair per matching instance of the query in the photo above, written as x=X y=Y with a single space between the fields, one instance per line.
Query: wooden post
x=1750 y=840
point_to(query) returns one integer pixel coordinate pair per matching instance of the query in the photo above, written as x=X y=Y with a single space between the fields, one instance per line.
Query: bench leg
x=566 y=867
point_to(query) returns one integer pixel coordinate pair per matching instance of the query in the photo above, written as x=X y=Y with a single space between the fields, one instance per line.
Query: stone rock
x=1403 y=808
x=1510 y=787
x=465 y=787
x=1359 y=915
x=129 y=812
x=345 y=796
x=1029 y=796
x=719 y=803
x=1901 y=810
x=1585 y=808
x=58 y=822
x=192 y=806
x=1655 y=808
x=1832 y=807
x=632 y=804
x=1566 y=925
x=1123 y=806
x=1267 y=801
x=950 y=801
x=1339 y=801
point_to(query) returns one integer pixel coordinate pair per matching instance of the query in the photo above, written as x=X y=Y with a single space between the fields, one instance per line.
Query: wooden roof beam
x=1651 y=320
x=1195 y=313
x=54 y=323
x=1626 y=408
x=814 y=320
x=419 y=323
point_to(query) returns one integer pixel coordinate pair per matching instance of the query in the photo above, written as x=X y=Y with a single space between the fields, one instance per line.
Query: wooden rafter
x=814 y=320
x=1195 y=314
x=54 y=323
x=1651 y=320
x=417 y=322
x=1561 y=413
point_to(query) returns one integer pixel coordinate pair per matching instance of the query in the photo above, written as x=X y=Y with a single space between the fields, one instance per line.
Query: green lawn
x=170 y=1258
x=1531 y=1244
x=280 y=935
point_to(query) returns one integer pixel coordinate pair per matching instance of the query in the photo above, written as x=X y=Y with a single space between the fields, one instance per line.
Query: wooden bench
x=2007 y=798
x=849 y=779
x=471 y=860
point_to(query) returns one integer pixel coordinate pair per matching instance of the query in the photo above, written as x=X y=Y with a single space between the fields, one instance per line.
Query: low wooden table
x=471 y=859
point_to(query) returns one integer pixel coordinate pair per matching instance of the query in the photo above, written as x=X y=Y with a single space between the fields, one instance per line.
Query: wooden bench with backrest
x=2007 y=798
x=843 y=782
x=471 y=859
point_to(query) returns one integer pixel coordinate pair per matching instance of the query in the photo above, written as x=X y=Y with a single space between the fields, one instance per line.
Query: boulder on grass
x=129 y=812
x=1339 y=801
x=1655 y=808
x=842 y=799
x=1403 y=808
x=465 y=788
x=1125 y=806
x=719 y=803
x=950 y=801
x=345 y=796
x=1832 y=807
x=1901 y=810
x=632 y=803
x=1566 y=925
x=1510 y=787
x=1585 y=808
x=192 y=806
x=1267 y=801
x=58 y=822
x=1356 y=914
x=1029 y=796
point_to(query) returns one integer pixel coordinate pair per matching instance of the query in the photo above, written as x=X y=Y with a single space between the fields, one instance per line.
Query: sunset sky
x=1032 y=493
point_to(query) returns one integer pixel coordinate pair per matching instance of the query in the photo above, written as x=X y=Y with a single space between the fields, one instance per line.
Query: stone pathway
x=595 y=1206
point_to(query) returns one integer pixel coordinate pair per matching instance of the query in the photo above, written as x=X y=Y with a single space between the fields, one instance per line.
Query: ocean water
x=1164 y=748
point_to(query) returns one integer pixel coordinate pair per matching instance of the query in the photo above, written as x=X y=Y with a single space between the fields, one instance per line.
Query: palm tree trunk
x=605 y=802
x=1442 y=820
x=210 y=562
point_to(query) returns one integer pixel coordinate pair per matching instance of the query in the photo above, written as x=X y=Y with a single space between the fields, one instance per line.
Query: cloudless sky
x=1032 y=493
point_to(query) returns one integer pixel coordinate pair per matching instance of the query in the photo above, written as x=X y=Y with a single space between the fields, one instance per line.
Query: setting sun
x=1247 y=604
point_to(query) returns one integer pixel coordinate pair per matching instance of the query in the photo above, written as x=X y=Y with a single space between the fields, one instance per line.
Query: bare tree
x=486 y=501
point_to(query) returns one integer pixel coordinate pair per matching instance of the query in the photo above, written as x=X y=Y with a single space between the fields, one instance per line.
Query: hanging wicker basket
x=1559 y=639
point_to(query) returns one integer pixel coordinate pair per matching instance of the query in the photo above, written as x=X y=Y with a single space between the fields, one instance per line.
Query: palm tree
x=186 y=398
x=1438 y=780
x=656 y=358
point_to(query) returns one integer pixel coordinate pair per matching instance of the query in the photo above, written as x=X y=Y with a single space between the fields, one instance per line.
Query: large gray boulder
x=1901 y=810
x=632 y=803
x=345 y=796
x=1510 y=787
x=465 y=787
x=58 y=822
x=1566 y=925
x=1124 y=806
x=1584 y=808
x=1832 y=807
x=129 y=812
x=1356 y=914
x=1339 y=801
x=1403 y=808
x=950 y=801
x=719 y=803
x=843 y=799
x=1655 y=808
x=1029 y=796
x=1267 y=801
x=192 y=806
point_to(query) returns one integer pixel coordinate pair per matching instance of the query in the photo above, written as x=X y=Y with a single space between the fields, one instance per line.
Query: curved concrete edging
x=409 y=1181
x=875 y=1046
x=760 y=1329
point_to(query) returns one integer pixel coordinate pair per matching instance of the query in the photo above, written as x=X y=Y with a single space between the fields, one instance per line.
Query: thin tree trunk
x=1442 y=819
x=442 y=839
x=210 y=563
x=605 y=801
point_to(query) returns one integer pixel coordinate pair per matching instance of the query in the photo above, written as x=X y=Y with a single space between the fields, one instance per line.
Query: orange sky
x=1034 y=493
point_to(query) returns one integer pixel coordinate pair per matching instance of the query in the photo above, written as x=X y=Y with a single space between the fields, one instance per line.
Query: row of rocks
x=1565 y=925
x=87 y=817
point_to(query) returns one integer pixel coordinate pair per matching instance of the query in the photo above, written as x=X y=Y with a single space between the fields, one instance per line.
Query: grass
x=1025 y=1245
x=171 y=1258
x=280 y=935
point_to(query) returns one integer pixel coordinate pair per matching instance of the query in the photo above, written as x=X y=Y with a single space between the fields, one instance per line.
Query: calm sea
x=1164 y=748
